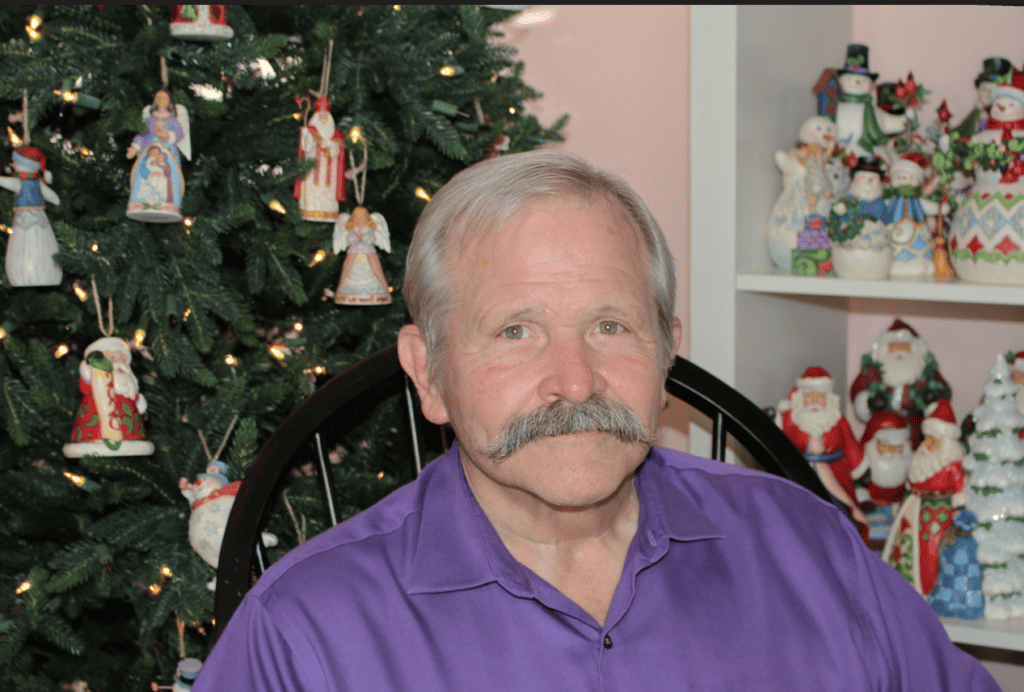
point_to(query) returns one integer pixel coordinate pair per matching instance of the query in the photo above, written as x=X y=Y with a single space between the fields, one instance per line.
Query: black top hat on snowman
x=872 y=164
x=992 y=69
x=857 y=61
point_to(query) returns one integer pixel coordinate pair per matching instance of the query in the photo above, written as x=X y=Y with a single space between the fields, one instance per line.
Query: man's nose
x=572 y=370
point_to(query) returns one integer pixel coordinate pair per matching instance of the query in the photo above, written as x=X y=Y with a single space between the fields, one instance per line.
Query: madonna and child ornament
x=157 y=183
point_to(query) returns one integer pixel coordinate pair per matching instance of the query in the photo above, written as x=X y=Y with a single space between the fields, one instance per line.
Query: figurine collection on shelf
x=898 y=199
x=941 y=501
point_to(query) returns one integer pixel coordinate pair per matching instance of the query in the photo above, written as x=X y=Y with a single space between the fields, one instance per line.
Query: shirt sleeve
x=923 y=659
x=253 y=655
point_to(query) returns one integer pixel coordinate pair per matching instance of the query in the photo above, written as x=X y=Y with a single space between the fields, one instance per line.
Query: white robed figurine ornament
x=320 y=191
x=109 y=420
x=157 y=183
x=362 y=279
x=32 y=244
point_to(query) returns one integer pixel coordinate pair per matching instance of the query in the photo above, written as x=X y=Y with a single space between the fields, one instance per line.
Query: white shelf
x=999 y=634
x=926 y=289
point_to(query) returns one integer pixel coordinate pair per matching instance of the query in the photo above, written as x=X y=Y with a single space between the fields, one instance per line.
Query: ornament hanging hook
x=215 y=457
x=354 y=172
x=163 y=59
x=109 y=331
x=325 y=71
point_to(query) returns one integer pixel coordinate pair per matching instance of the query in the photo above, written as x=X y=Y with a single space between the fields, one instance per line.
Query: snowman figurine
x=910 y=218
x=808 y=186
x=184 y=676
x=862 y=124
x=212 y=497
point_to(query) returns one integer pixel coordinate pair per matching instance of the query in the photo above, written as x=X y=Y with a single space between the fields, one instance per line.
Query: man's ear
x=412 y=354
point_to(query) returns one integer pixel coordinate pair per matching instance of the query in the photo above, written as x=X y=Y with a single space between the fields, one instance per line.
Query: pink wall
x=622 y=73
x=964 y=338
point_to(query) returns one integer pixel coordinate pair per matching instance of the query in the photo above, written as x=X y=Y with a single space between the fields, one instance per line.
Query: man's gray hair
x=486 y=197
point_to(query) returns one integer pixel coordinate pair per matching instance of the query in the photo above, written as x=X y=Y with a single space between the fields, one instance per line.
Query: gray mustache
x=561 y=417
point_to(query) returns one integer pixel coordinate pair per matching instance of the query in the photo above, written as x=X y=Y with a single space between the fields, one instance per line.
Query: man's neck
x=580 y=551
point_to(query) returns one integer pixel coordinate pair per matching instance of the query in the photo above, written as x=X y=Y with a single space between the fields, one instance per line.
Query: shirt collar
x=457 y=547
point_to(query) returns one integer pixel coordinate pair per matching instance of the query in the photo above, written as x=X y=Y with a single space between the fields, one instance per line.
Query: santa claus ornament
x=882 y=474
x=811 y=419
x=987 y=234
x=323 y=187
x=898 y=374
x=936 y=481
x=201 y=22
x=109 y=420
x=359 y=234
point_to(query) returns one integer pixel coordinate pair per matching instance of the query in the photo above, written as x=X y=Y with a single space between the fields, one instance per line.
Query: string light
x=34 y=22
x=95 y=247
x=188 y=221
x=155 y=589
x=139 y=337
x=422 y=194
x=230 y=359
x=75 y=478
x=512 y=110
x=15 y=139
x=380 y=475
x=85 y=152
x=3 y=334
x=166 y=571
x=23 y=587
x=319 y=370
x=297 y=116
x=276 y=351
x=6 y=229
x=396 y=8
x=277 y=206
x=298 y=326
x=318 y=257
x=61 y=351
x=82 y=294
x=188 y=311
x=355 y=134
x=447 y=71
x=68 y=96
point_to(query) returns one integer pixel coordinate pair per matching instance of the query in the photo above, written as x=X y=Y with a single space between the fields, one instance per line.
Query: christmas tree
x=225 y=310
x=995 y=477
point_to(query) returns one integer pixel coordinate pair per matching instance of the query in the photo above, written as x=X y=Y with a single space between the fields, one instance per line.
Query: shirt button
x=607 y=642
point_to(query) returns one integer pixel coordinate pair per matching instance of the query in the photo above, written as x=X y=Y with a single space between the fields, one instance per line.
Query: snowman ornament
x=212 y=497
x=862 y=124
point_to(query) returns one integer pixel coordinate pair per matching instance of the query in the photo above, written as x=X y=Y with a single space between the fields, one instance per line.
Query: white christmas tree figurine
x=995 y=492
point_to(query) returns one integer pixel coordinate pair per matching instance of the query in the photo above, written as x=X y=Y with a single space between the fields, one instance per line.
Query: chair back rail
x=241 y=553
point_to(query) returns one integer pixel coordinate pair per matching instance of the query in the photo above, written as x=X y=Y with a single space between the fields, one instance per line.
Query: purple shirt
x=735 y=580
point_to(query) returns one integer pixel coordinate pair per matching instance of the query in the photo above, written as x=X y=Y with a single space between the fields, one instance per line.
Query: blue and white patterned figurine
x=32 y=244
x=958 y=590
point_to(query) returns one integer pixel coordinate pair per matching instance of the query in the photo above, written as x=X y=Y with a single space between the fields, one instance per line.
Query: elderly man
x=554 y=548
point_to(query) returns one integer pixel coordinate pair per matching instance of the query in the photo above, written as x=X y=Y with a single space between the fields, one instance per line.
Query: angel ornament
x=157 y=183
x=360 y=234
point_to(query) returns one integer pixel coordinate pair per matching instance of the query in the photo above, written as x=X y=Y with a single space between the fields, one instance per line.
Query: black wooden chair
x=242 y=557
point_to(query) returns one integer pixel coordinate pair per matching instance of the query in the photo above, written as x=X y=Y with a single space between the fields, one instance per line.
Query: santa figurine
x=811 y=418
x=1017 y=373
x=324 y=186
x=887 y=454
x=898 y=374
x=109 y=421
x=201 y=22
x=936 y=483
x=862 y=124
x=910 y=217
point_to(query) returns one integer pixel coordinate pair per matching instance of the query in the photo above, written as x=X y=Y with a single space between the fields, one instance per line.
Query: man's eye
x=610 y=327
x=515 y=332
